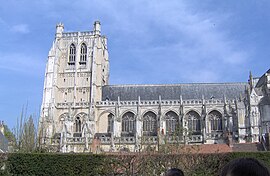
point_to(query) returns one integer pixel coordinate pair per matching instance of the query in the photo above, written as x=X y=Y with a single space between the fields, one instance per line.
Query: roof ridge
x=180 y=84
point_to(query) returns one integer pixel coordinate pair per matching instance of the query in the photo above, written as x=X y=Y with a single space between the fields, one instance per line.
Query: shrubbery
x=119 y=164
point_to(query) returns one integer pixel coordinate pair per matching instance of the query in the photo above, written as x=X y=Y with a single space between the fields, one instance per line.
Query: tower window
x=72 y=55
x=83 y=56
x=78 y=128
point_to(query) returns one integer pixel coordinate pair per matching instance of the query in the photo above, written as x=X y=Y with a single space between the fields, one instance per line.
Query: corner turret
x=250 y=81
x=97 y=28
x=59 y=30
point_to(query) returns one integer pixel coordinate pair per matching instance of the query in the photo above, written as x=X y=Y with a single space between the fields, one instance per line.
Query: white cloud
x=21 y=63
x=20 y=28
x=178 y=39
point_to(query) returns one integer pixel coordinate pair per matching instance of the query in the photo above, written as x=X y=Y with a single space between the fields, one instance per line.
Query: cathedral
x=82 y=112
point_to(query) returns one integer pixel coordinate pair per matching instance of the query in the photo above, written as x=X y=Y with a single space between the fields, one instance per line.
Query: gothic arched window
x=215 y=119
x=172 y=122
x=110 y=123
x=78 y=125
x=194 y=122
x=72 y=54
x=83 y=55
x=150 y=124
x=128 y=123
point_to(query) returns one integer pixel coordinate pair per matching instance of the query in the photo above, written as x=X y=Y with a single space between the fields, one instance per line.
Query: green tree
x=25 y=132
x=9 y=134
x=28 y=136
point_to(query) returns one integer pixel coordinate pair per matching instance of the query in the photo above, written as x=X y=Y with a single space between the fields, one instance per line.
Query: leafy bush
x=54 y=164
x=122 y=164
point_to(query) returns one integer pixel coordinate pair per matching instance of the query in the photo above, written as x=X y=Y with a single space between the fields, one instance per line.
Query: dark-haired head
x=245 y=167
x=174 y=172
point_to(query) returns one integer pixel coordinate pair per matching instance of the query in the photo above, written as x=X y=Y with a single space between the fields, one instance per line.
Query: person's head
x=174 y=172
x=244 y=167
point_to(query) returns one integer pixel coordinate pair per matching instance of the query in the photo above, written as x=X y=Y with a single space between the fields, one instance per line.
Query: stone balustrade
x=75 y=34
x=75 y=140
x=174 y=139
x=142 y=140
x=195 y=138
x=86 y=33
x=163 y=102
x=105 y=140
x=71 y=104
x=125 y=140
x=149 y=140
x=214 y=135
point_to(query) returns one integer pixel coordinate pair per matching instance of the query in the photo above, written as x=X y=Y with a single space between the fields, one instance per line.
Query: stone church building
x=82 y=112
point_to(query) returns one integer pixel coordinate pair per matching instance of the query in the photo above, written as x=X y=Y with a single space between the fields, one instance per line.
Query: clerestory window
x=83 y=55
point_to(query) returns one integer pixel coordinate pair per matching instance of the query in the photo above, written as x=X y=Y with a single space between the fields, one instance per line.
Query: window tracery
x=172 y=122
x=150 y=124
x=83 y=55
x=128 y=123
x=215 y=119
x=72 y=54
x=194 y=122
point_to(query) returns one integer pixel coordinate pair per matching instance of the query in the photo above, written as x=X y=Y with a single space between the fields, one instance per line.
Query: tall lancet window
x=83 y=56
x=72 y=55
x=172 y=123
x=110 y=123
x=194 y=122
x=78 y=125
x=215 y=118
x=150 y=124
x=128 y=123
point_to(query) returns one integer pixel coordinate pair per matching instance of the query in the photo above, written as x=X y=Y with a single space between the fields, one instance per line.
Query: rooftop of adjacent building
x=2 y=127
x=3 y=139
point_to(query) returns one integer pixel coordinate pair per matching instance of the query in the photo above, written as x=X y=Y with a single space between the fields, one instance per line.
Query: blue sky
x=150 y=42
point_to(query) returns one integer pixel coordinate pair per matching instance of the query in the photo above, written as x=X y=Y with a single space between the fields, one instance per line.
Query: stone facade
x=81 y=112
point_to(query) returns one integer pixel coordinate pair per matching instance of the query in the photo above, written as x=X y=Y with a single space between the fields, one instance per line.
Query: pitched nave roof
x=173 y=91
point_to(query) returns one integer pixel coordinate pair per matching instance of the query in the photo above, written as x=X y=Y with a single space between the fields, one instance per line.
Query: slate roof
x=173 y=91
x=262 y=79
x=265 y=101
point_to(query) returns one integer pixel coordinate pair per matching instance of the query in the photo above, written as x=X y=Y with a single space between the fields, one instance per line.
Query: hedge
x=120 y=164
